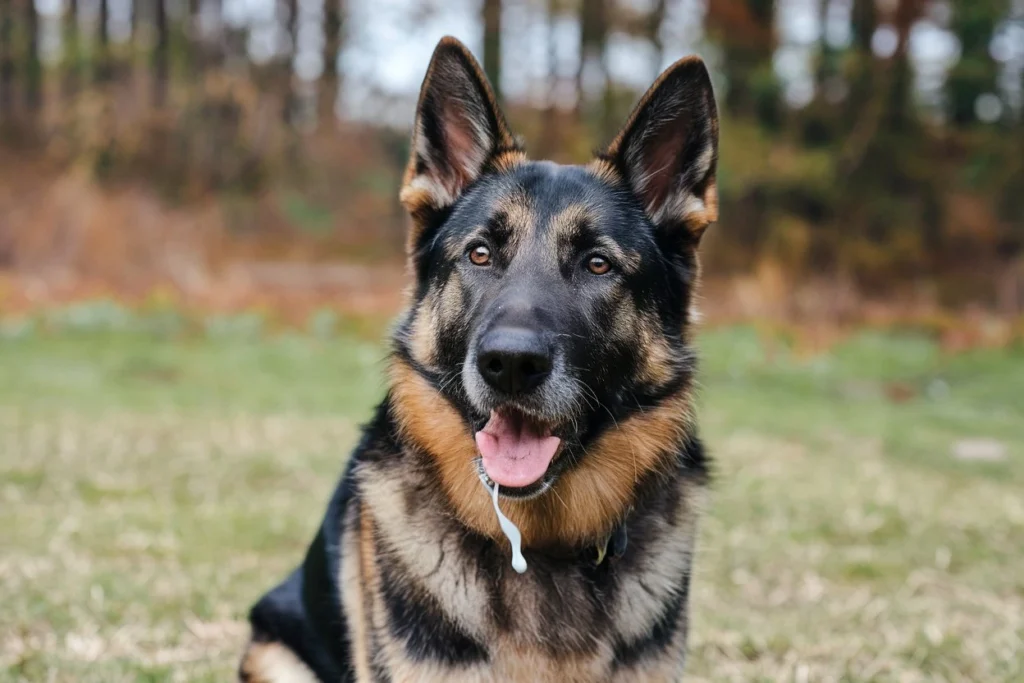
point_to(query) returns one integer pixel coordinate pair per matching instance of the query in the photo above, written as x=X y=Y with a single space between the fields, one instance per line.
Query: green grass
x=151 y=488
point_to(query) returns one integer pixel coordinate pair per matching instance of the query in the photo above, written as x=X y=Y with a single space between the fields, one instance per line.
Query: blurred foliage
x=856 y=178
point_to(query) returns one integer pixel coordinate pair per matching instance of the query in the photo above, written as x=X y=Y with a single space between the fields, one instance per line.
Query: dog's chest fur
x=425 y=599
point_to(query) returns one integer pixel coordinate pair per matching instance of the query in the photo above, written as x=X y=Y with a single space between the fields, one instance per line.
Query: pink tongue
x=513 y=454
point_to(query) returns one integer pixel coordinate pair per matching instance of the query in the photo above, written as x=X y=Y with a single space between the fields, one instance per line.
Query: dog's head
x=550 y=305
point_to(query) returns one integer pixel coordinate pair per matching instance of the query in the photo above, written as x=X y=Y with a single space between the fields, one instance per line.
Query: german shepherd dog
x=543 y=361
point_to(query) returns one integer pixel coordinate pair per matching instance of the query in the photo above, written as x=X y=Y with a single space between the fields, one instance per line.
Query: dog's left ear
x=668 y=150
x=459 y=132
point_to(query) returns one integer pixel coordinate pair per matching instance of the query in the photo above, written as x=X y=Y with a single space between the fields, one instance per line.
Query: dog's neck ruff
x=587 y=502
x=615 y=543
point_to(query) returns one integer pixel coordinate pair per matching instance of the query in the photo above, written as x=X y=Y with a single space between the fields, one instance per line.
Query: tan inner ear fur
x=583 y=506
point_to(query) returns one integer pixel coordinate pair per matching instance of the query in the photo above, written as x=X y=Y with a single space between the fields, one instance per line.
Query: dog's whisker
x=560 y=500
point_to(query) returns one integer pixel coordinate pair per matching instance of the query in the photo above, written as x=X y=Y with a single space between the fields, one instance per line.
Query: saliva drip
x=512 y=532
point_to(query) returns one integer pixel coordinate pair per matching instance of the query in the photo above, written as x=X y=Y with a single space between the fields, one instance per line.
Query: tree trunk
x=215 y=49
x=161 y=66
x=331 y=78
x=233 y=41
x=102 y=73
x=195 y=52
x=72 y=58
x=829 y=58
x=593 y=56
x=492 y=43
x=6 y=58
x=745 y=30
x=900 y=108
x=975 y=73
x=881 y=91
x=33 y=66
x=654 y=23
x=864 y=20
x=284 y=73
x=549 y=132
x=133 y=26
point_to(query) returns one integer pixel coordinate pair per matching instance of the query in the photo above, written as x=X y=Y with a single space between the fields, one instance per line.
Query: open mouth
x=516 y=452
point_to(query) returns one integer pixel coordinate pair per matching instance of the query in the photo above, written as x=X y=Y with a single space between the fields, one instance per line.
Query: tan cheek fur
x=658 y=367
x=438 y=311
x=641 y=331
x=424 y=331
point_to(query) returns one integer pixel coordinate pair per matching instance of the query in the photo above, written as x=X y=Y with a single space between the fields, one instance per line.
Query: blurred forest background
x=232 y=151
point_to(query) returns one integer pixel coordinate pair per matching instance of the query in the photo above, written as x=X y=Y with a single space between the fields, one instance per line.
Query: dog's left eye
x=598 y=265
x=480 y=255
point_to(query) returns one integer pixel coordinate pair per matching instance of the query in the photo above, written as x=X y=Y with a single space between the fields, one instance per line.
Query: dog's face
x=551 y=302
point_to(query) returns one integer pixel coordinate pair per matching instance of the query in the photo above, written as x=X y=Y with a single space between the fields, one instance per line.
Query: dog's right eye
x=598 y=265
x=480 y=255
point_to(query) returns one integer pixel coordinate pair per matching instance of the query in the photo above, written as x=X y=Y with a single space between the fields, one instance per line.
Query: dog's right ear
x=668 y=150
x=458 y=134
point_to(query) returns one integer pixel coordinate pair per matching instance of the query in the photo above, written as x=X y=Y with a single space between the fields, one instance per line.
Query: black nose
x=513 y=360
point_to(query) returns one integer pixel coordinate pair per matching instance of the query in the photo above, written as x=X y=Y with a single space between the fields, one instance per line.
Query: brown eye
x=480 y=255
x=598 y=265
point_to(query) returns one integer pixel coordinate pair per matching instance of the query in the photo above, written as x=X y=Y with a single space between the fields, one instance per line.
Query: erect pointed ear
x=458 y=134
x=668 y=150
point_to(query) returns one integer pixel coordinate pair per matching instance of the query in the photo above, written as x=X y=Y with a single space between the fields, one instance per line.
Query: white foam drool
x=512 y=532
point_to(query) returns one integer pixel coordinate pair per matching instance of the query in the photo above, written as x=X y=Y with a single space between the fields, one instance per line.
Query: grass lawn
x=151 y=489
